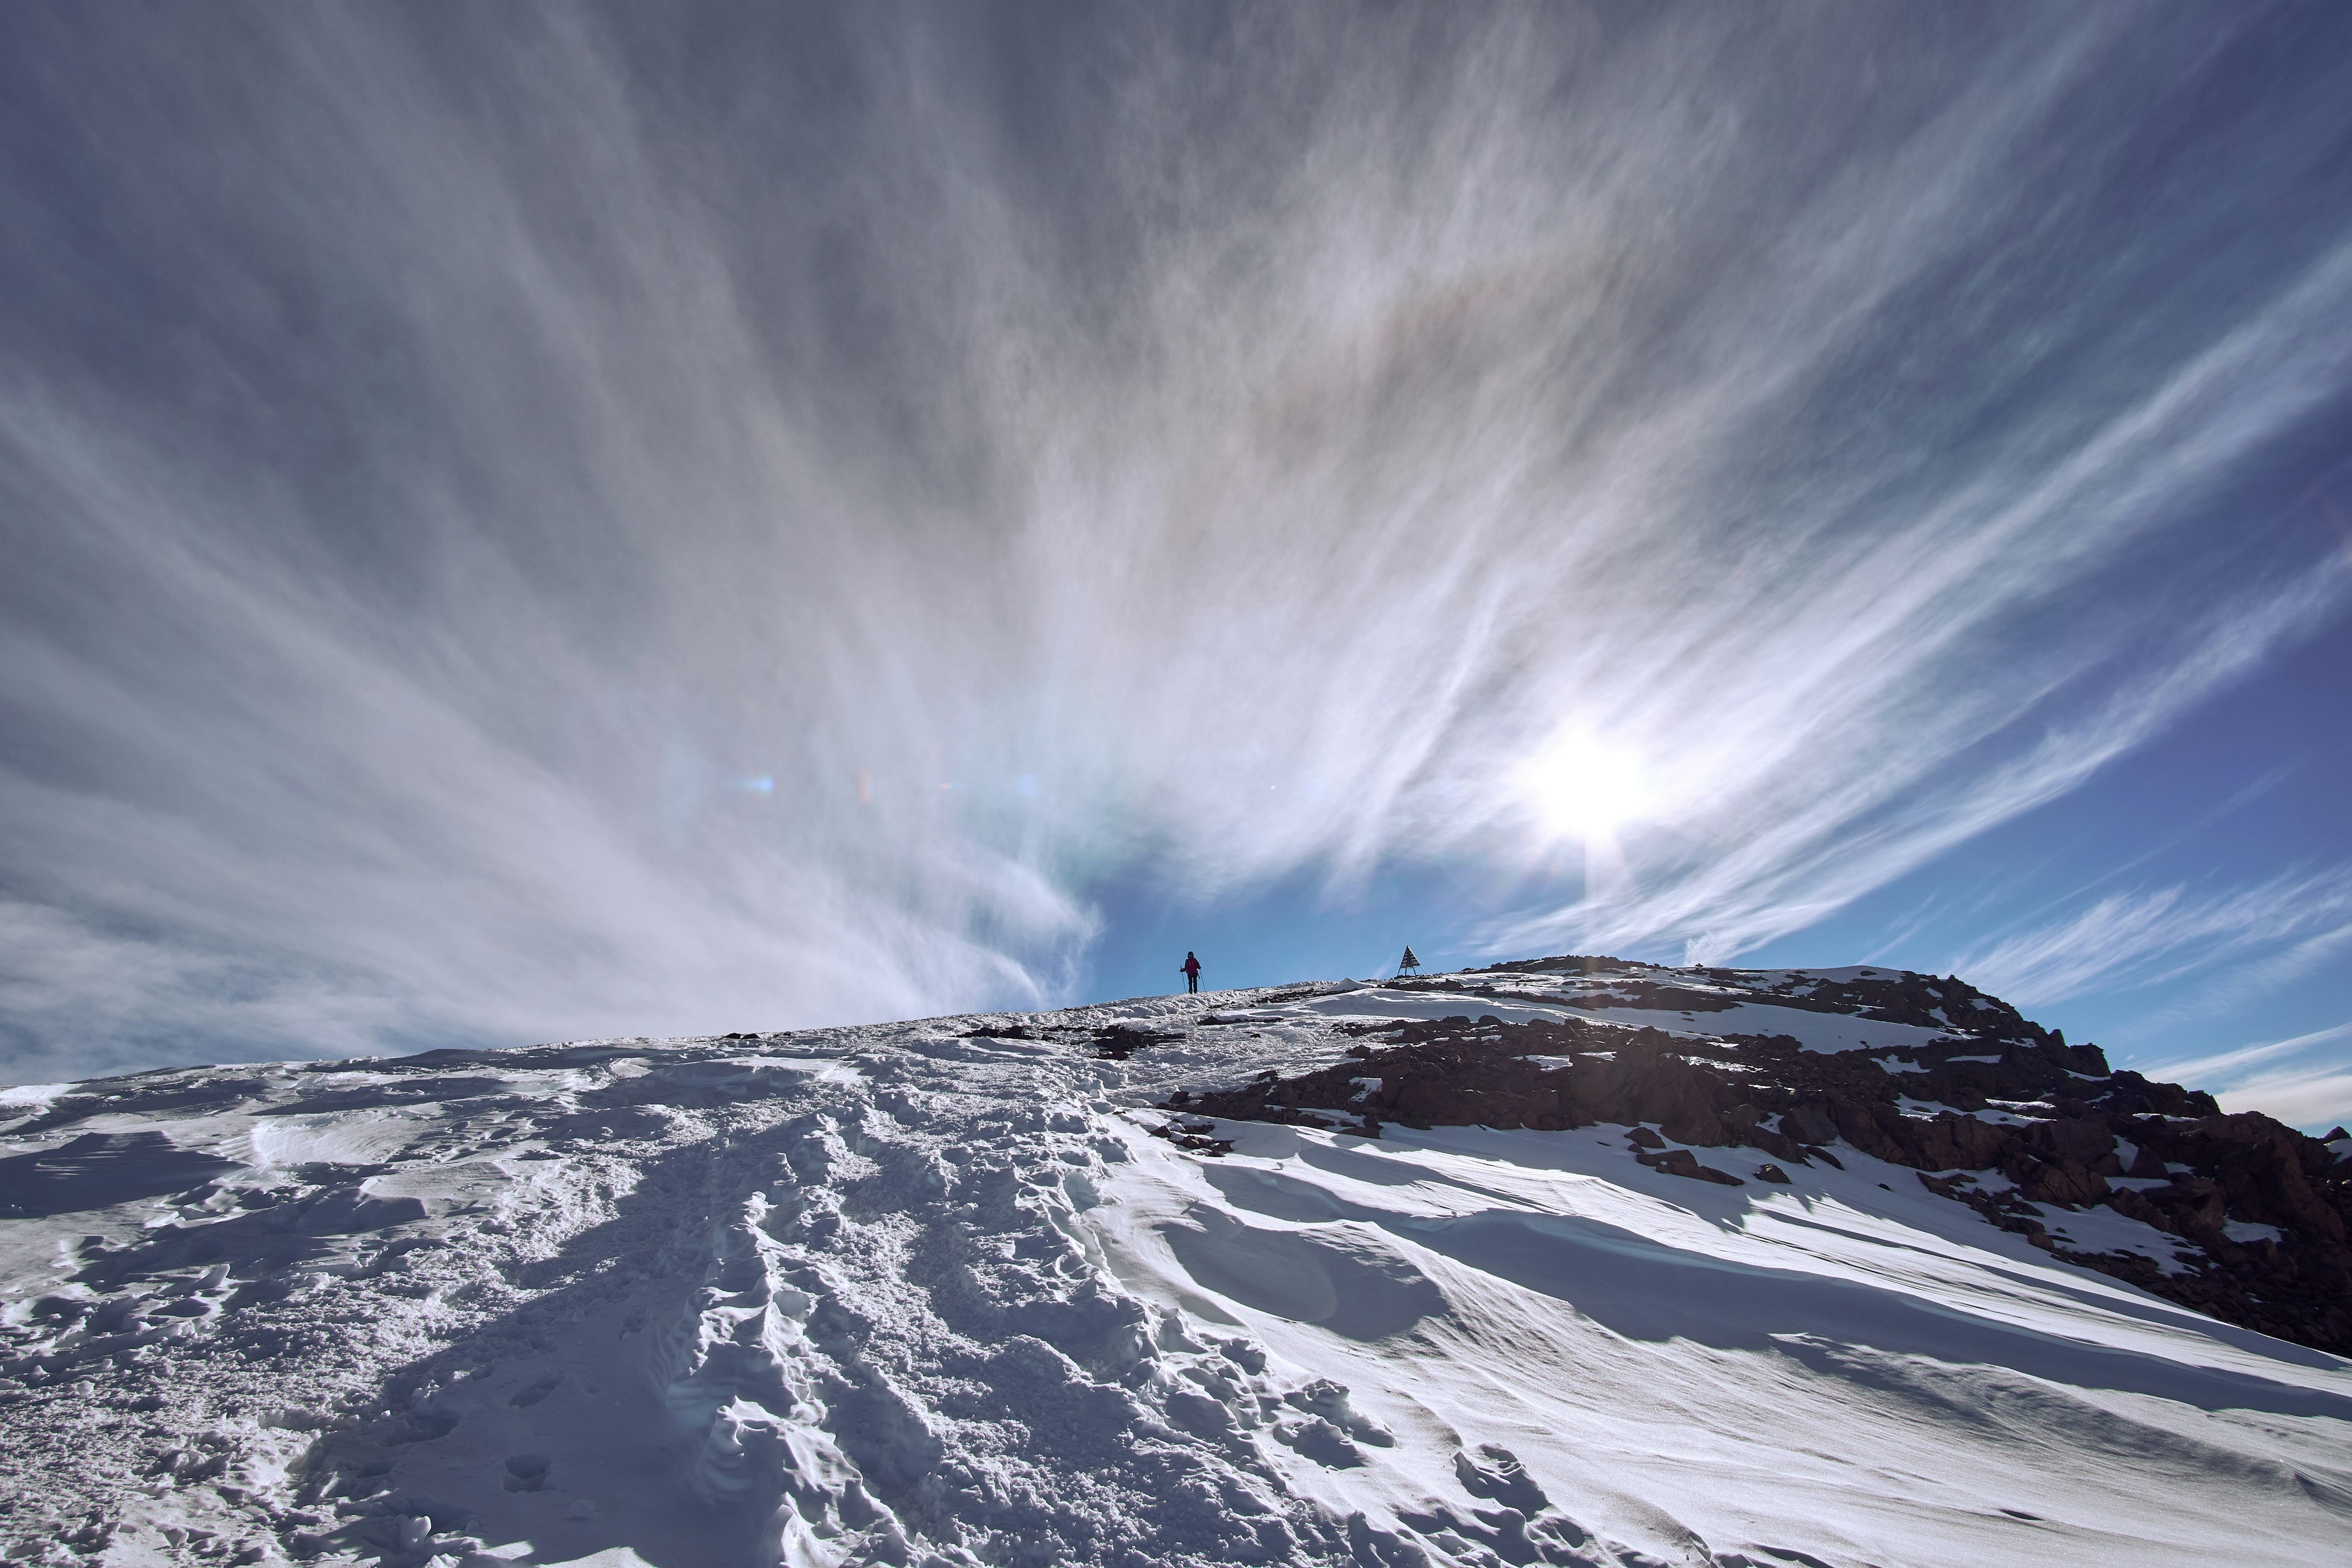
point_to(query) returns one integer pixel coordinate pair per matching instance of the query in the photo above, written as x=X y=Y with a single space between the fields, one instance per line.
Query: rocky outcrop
x=2000 y=1114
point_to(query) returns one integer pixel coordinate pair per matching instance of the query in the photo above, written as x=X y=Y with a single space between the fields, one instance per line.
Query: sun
x=1581 y=788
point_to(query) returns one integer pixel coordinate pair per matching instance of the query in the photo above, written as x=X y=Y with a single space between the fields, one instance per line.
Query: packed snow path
x=933 y=1293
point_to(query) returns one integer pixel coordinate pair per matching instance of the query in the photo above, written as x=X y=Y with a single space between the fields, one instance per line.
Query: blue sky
x=536 y=522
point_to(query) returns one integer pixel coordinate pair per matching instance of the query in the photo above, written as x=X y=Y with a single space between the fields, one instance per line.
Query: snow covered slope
x=947 y=1292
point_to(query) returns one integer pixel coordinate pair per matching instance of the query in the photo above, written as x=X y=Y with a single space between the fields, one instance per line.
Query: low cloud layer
x=530 y=522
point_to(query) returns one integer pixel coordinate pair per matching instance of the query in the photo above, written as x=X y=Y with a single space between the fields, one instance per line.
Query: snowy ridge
x=940 y=1293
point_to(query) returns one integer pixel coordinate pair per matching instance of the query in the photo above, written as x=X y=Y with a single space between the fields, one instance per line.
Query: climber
x=1191 y=972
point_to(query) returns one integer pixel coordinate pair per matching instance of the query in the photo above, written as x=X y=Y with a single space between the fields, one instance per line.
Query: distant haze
x=536 y=521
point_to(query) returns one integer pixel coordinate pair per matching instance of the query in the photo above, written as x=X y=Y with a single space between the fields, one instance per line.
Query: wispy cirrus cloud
x=2317 y=1099
x=611 y=521
x=2231 y=947
x=2132 y=939
x=1854 y=824
x=2315 y=1096
x=2302 y=1080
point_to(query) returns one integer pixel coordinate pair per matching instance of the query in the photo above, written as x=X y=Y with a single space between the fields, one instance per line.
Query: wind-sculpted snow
x=954 y=1293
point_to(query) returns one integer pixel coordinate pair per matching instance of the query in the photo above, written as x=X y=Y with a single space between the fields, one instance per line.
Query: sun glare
x=1582 y=789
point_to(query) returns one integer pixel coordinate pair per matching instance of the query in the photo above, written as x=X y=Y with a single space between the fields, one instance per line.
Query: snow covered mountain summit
x=1569 y=1262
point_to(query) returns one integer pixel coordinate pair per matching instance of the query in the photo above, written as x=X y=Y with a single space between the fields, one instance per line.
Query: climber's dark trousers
x=1192 y=984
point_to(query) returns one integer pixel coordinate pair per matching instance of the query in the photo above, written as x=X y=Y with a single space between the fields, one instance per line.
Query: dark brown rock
x=1807 y=1124
x=1949 y=1142
x=2068 y=1182
x=2085 y=1141
x=2130 y=1203
x=1774 y=1143
x=1875 y=1128
x=1695 y=1126
x=1682 y=1163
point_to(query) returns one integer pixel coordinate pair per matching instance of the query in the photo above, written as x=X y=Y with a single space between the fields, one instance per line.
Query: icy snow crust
x=932 y=1293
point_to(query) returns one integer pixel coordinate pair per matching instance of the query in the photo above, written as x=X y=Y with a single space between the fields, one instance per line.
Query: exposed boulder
x=2083 y=1140
x=1682 y=1163
x=1808 y=1125
x=1952 y=1142
x=1774 y=1143
x=2067 y=1182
